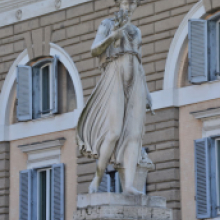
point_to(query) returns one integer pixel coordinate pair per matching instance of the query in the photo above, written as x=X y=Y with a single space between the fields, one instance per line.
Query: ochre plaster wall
x=18 y=162
x=190 y=129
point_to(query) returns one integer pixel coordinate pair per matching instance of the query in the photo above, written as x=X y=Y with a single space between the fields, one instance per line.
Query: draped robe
x=121 y=91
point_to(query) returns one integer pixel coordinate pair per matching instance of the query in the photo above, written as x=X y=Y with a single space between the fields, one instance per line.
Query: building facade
x=47 y=73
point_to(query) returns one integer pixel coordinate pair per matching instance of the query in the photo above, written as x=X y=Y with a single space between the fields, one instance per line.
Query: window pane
x=46 y=89
x=43 y=195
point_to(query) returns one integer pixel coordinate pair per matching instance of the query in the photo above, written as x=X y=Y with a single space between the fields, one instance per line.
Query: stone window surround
x=22 y=130
x=44 y=153
x=211 y=121
x=211 y=125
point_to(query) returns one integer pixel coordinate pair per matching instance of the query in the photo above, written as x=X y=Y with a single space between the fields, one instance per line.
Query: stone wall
x=4 y=180
x=74 y=29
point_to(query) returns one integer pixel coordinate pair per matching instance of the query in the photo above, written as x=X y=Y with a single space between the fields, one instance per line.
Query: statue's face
x=128 y=5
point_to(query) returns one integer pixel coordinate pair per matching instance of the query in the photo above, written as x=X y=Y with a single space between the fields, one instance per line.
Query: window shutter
x=105 y=184
x=57 y=205
x=198 y=51
x=202 y=178
x=34 y=194
x=25 y=200
x=212 y=52
x=55 y=84
x=36 y=92
x=24 y=93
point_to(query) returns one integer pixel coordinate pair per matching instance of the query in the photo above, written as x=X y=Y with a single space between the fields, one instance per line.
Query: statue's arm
x=101 y=42
x=149 y=104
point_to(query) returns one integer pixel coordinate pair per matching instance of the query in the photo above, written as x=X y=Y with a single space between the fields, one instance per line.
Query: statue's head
x=128 y=5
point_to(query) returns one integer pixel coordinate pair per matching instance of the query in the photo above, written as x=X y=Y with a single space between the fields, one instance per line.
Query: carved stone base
x=118 y=206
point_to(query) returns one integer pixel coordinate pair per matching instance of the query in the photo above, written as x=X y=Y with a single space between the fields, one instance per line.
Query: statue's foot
x=93 y=187
x=133 y=191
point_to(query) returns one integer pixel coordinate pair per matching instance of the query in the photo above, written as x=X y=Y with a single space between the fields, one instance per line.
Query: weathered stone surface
x=6 y=31
x=52 y=18
x=161 y=135
x=169 y=23
x=37 y=38
x=26 y=25
x=83 y=28
x=164 y=176
x=85 y=169
x=118 y=206
x=164 y=155
x=100 y=199
x=167 y=5
x=6 y=49
x=80 y=10
x=99 y=5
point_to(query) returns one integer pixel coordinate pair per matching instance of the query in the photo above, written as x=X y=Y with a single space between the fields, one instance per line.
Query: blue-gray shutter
x=202 y=178
x=55 y=84
x=36 y=91
x=57 y=204
x=212 y=49
x=24 y=93
x=213 y=170
x=34 y=194
x=198 y=51
x=25 y=196
x=105 y=183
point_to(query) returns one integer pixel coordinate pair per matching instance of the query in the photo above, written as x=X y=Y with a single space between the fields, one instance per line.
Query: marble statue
x=111 y=125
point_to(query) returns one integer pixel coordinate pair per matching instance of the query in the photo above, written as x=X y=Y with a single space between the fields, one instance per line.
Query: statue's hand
x=149 y=107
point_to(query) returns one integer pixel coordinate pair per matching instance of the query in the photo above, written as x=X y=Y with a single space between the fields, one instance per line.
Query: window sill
x=53 y=123
x=50 y=115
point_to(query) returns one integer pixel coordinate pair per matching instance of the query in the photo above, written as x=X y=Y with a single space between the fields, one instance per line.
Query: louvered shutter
x=198 y=51
x=105 y=184
x=25 y=200
x=55 y=85
x=202 y=178
x=34 y=194
x=24 y=93
x=57 y=205
x=36 y=92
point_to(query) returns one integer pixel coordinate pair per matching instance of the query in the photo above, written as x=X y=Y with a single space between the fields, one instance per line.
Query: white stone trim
x=210 y=121
x=203 y=115
x=60 y=122
x=175 y=51
x=43 y=154
x=186 y=95
x=32 y=9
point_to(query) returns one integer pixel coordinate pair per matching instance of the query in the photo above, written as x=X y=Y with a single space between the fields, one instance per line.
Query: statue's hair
x=117 y=2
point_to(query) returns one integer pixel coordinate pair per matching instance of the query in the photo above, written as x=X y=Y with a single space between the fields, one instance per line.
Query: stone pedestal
x=118 y=206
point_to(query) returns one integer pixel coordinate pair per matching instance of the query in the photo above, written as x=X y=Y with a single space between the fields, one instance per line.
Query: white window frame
x=48 y=190
x=41 y=90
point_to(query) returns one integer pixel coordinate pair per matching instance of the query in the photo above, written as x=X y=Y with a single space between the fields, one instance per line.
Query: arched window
x=44 y=88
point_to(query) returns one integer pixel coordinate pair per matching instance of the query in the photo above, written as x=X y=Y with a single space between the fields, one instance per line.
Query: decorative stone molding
x=211 y=121
x=43 y=153
x=38 y=42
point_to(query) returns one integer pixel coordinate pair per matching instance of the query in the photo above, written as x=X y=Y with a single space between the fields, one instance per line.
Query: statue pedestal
x=119 y=206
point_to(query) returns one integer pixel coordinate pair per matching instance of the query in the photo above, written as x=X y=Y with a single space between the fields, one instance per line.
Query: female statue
x=111 y=125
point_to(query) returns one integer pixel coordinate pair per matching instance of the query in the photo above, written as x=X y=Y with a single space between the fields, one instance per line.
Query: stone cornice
x=206 y=114
x=13 y=11
x=42 y=145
